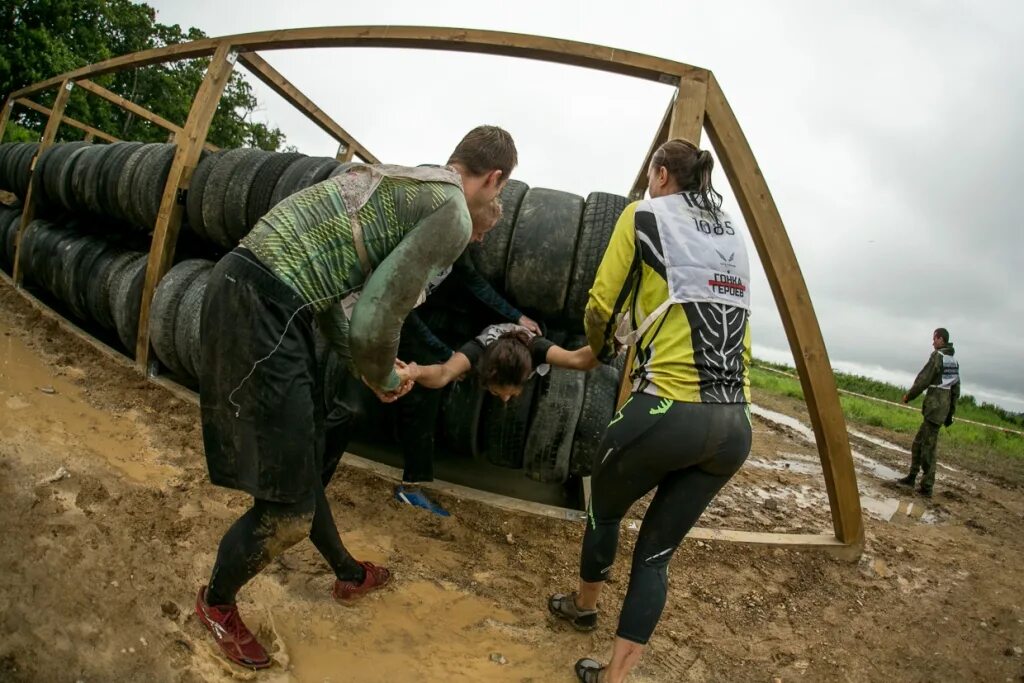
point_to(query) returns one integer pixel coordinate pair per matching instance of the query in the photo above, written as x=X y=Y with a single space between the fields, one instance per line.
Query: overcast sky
x=889 y=134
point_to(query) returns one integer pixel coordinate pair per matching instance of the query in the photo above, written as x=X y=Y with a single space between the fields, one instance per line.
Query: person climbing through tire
x=504 y=357
x=377 y=230
x=675 y=278
x=418 y=411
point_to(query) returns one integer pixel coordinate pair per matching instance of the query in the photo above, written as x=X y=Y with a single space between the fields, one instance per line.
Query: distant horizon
x=900 y=378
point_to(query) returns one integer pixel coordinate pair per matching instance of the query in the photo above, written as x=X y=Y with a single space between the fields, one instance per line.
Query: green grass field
x=979 y=448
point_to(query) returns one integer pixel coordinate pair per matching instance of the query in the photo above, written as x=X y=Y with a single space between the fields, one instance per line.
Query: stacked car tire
x=542 y=256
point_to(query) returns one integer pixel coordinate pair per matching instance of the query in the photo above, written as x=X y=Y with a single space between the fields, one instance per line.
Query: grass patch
x=979 y=448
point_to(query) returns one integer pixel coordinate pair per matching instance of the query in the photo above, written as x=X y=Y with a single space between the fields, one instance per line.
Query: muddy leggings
x=688 y=451
x=267 y=529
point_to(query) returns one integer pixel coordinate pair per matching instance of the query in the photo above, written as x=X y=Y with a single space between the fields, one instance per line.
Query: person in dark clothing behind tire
x=941 y=378
x=377 y=230
x=417 y=412
x=676 y=277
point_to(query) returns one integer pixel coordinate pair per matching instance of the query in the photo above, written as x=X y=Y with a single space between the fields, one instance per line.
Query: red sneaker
x=234 y=637
x=348 y=591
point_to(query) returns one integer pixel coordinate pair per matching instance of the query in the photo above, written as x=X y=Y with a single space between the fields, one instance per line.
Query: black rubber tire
x=262 y=189
x=5 y=149
x=52 y=260
x=317 y=172
x=64 y=272
x=80 y=176
x=187 y=343
x=126 y=182
x=82 y=275
x=343 y=168
x=505 y=426
x=23 y=169
x=460 y=417
x=164 y=311
x=152 y=179
x=41 y=189
x=65 y=187
x=9 y=224
x=540 y=254
x=288 y=183
x=236 y=203
x=556 y=410
x=92 y=179
x=215 y=194
x=600 y=213
x=491 y=255
x=600 y=395
x=98 y=298
x=196 y=189
x=111 y=175
x=126 y=299
x=33 y=233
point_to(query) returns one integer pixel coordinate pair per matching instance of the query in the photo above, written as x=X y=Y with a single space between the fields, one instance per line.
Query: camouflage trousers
x=923 y=453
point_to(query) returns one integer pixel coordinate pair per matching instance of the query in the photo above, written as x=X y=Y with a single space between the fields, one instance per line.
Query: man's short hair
x=484 y=149
x=943 y=334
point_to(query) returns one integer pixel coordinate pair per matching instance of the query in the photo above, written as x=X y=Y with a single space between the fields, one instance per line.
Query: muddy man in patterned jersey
x=674 y=282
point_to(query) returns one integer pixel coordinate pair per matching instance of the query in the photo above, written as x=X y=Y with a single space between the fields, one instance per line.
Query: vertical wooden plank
x=49 y=133
x=89 y=137
x=168 y=222
x=348 y=154
x=683 y=119
x=795 y=308
x=5 y=115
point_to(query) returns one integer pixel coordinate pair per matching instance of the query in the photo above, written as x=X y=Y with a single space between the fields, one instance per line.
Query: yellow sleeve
x=613 y=286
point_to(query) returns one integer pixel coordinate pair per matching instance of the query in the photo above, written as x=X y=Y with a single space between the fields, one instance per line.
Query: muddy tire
x=196 y=190
x=126 y=184
x=600 y=213
x=460 y=417
x=261 y=191
x=599 y=397
x=236 y=203
x=215 y=194
x=64 y=186
x=297 y=176
x=98 y=297
x=52 y=262
x=164 y=311
x=541 y=252
x=117 y=157
x=505 y=426
x=64 y=272
x=187 y=342
x=491 y=255
x=82 y=275
x=152 y=179
x=126 y=299
x=556 y=411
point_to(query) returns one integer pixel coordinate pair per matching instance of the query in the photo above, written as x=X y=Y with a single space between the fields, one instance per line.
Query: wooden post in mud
x=797 y=313
x=186 y=157
x=683 y=119
x=49 y=133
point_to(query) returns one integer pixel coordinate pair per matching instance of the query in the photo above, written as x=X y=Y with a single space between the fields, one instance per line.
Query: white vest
x=705 y=258
x=950 y=372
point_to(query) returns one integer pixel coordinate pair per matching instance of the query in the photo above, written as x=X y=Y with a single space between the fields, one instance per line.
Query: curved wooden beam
x=422 y=37
x=795 y=308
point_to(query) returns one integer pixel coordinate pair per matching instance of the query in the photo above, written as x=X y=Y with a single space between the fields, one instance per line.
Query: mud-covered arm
x=334 y=326
x=396 y=284
x=613 y=287
x=930 y=373
x=481 y=289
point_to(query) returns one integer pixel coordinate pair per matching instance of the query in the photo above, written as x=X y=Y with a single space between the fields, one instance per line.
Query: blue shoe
x=418 y=499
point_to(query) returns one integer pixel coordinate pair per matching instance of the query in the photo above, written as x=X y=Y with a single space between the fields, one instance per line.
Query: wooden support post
x=138 y=110
x=168 y=221
x=89 y=137
x=797 y=313
x=5 y=115
x=49 y=133
x=683 y=119
x=46 y=111
x=262 y=70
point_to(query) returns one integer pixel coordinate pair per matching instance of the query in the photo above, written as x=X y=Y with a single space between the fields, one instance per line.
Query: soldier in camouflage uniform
x=941 y=378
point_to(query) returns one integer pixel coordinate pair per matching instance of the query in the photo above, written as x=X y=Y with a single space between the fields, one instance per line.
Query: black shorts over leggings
x=688 y=451
x=260 y=388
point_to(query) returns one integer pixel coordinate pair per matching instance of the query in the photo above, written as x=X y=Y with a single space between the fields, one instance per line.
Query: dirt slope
x=99 y=568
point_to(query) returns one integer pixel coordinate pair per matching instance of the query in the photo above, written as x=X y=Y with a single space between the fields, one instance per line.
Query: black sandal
x=564 y=607
x=589 y=671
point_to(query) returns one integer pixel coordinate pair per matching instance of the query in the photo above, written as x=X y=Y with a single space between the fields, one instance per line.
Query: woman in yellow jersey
x=674 y=282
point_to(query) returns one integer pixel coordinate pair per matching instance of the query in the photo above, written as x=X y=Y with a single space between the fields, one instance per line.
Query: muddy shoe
x=348 y=591
x=927 y=493
x=564 y=607
x=235 y=639
x=589 y=671
x=907 y=480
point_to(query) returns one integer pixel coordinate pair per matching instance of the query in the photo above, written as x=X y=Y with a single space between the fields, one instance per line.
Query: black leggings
x=267 y=529
x=688 y=451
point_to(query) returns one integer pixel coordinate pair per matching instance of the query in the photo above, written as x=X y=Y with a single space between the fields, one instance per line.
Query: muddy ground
x=109 y=527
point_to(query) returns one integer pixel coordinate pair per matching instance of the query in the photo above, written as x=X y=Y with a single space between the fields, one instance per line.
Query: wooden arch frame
x=699 y=104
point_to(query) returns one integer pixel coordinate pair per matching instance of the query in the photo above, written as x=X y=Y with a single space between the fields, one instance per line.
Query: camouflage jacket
x=940 y=377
